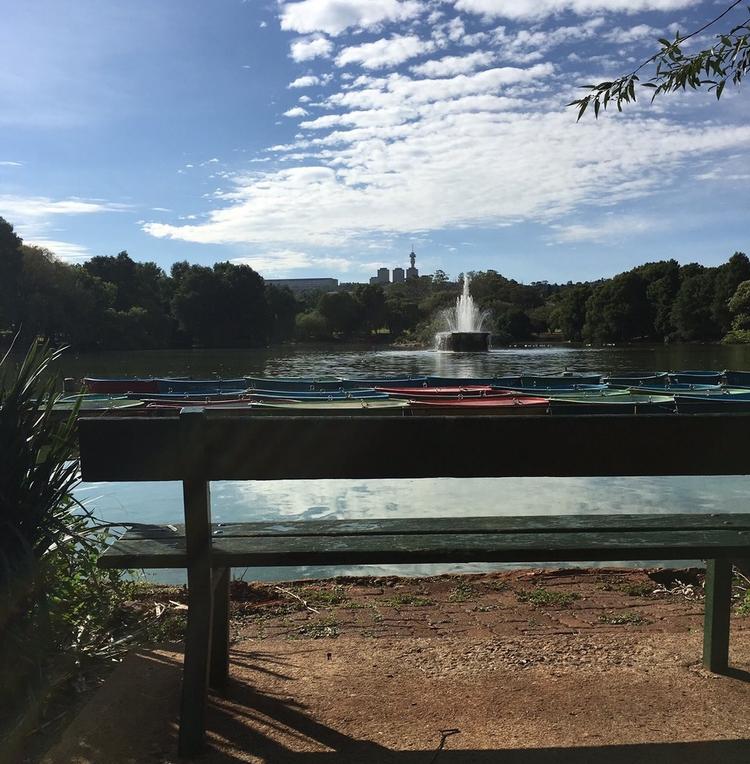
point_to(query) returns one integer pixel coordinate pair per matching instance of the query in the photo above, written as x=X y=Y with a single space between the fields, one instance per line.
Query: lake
x=340 y=499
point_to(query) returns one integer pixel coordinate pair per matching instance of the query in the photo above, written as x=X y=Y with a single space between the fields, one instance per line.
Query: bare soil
x=527 y=666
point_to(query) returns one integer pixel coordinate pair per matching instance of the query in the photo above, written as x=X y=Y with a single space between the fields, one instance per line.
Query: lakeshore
x=527 y=666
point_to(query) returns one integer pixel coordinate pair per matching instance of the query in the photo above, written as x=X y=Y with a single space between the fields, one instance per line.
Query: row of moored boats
x=567 y=393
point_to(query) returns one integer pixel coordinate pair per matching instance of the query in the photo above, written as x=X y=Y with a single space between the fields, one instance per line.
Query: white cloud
x=335 y=16
x=610 y=229
x=307 y=81
x=308 y=48
x=448 y=66
x=454 y=169
x=385 y=52
x=64 y=250
x=32 y=208
x=279 y=263
x=296 y=111
x=538 y=9
x=633 y=34
x=8 y=163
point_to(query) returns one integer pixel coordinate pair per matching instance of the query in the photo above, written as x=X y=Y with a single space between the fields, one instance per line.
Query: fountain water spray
x=465 y=325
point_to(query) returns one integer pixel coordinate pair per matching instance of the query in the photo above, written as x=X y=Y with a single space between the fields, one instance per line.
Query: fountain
x=465 y=323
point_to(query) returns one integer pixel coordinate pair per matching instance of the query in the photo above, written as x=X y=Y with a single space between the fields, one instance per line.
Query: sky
x=329 y=137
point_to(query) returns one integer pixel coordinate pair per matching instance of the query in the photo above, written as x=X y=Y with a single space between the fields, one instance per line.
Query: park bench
x=198 y=447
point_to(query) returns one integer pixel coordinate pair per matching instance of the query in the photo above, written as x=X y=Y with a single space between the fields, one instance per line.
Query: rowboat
x=563 y=380
x=697 y=377
x=95 y=403
x=554 y=391
x=470 y=381
x=329 y=407
x=675 y=387
x=437 y=392
x=715 y=404
x=503 y=405
x=120 y=385
x=322 y=395
x=617 y=404
x=737 y=378
x=200 y=386
x=187 y=398
x=294 y=383
x=357 y=383
x=634 y=378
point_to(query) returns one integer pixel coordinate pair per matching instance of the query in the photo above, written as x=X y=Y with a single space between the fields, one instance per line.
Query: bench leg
x=219 y=671
x=718 y=588
x=197 y=652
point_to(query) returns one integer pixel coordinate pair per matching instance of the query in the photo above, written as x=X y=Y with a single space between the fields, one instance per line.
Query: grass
x=413 y=600
x=623 y=619
x=462 y=592
x=631 y=588
x=321 y=628
x=743 y=608
x=316 y=596
x=542 y=597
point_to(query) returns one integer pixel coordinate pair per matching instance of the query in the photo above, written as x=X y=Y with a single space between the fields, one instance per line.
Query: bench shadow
x=271 y=726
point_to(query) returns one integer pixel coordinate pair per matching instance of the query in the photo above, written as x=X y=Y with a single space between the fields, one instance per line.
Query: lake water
x=340 y=499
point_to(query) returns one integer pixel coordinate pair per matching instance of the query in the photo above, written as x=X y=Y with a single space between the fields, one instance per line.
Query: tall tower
x=412 y=272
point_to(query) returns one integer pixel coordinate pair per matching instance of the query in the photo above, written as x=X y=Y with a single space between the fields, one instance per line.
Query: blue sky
x=326 y=137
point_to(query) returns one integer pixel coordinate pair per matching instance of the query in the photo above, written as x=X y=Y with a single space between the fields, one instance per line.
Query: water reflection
x=343 y=499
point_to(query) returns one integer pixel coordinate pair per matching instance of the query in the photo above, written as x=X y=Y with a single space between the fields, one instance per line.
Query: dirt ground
x=527 y=667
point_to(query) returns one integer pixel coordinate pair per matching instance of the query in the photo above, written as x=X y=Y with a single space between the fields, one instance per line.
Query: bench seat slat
x=459 y=525
x=436 y=548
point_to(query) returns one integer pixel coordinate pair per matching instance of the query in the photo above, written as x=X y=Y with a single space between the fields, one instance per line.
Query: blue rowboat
x=697 y=377
x=319 y=395
x=562 y=380
x=676 y=387
x=503 y=382
x=737 y=378
x=310 y=384
x=555 y=391
x=616 y=404
x=714 y=404
x=631 y=379
x=120 y=385
x=194 y=397
x=201 y=386
x=359 y=383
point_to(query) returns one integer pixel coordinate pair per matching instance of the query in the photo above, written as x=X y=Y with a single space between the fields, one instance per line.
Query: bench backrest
x=197 y=446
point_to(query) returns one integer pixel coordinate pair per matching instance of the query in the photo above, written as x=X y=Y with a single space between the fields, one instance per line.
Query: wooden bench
x=196 y=448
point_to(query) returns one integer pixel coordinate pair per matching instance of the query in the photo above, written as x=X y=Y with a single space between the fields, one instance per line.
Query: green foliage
x=727 y=60
x=57 y=609
x=542 y=597
x=623 y=619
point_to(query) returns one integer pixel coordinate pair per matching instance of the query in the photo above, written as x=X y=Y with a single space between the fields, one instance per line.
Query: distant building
x=412 y=272
x=398 y=275
x=383 y=277
x=306 y=285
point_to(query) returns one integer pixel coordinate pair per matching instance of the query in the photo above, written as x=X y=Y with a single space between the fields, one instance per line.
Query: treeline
x=115 y=302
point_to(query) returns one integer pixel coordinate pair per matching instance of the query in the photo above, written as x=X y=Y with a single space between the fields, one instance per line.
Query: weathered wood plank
x=198 y=560
x=437 y=548
x=274 y=448
x=219 y=670
x=459 y=525
x=718 y=605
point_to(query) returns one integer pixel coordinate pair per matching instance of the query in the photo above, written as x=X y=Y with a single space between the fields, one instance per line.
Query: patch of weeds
x=399 y=600
x=542 y=597
x=497 y=586
x=743 y=608
x=352 y=605
x=483 y=608
x=462 y=592
x=623 y=619
x=637 y=588
x=377 y=616
x=323 y=628
x=324 y=597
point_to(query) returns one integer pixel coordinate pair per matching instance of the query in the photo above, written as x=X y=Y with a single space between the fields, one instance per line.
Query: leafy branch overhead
x=728 y=60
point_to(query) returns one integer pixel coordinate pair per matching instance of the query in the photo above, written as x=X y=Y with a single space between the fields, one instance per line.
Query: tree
x=10 y=273
x=569 y=314
x=691 y=312
x=342 y=312
x=728 y=60
x=739 y=307
x=372 y=299
x=728 y=277
x=617 y=310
